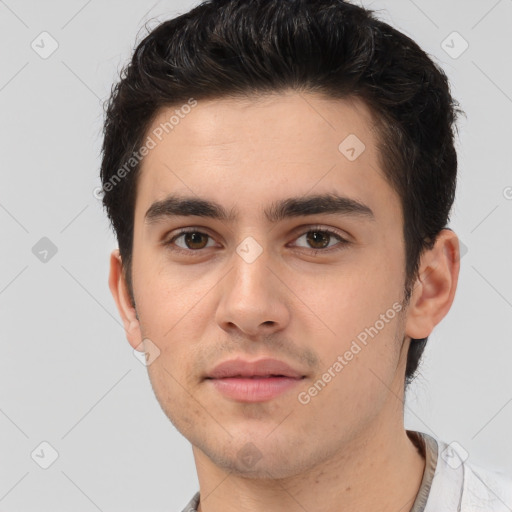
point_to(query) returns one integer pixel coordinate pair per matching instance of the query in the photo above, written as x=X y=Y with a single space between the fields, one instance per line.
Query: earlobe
x=120 y=293
x=434 y=290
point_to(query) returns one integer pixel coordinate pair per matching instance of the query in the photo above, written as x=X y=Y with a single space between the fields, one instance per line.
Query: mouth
x=256 y=388
x=256 y=381
x=261 y=368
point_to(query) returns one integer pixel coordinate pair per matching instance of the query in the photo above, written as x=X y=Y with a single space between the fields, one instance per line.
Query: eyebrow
x=180 y=206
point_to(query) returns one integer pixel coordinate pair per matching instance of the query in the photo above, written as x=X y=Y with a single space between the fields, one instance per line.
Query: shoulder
x=478 y=488
x=486 y=490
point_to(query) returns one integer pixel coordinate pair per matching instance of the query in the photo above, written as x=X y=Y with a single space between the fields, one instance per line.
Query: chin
x=251 y=460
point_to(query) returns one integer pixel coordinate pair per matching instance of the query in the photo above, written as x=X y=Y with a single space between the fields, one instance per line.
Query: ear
x=119 y=290
x=434 y=290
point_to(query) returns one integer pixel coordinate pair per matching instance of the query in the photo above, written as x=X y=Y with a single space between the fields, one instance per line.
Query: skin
x=346 y=449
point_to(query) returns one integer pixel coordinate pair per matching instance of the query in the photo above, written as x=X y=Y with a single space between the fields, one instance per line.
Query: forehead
x=247 y=151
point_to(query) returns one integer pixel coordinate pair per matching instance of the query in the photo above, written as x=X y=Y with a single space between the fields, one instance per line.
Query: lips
x=253 y=381
x=264 y=368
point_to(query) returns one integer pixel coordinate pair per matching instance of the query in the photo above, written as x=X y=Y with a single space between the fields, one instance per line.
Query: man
x=280 y=175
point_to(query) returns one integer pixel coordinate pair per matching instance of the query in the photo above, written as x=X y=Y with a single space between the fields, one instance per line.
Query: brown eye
x=190 y=241
x=195 y=240
x=318 y=239
x=323 y=240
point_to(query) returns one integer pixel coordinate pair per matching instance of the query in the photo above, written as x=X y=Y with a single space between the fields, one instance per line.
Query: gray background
x=68 y=375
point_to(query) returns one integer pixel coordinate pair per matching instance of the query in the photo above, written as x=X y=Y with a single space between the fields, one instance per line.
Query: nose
x=253 y=300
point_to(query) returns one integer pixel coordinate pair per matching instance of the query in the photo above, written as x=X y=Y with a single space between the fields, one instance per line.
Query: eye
x=190 y=240
x=320 y=239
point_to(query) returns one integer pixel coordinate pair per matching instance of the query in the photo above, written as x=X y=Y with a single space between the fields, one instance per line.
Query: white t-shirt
x=450 y=483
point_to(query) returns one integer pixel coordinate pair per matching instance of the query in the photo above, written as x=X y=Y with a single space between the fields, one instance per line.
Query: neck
x=381 y=470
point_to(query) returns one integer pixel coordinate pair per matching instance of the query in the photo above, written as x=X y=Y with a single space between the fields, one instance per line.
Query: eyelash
x=196 y=252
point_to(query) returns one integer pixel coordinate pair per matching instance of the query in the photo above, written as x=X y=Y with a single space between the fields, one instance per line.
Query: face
x=265 y=270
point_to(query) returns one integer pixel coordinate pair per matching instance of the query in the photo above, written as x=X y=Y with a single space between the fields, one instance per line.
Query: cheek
x=166 y=297
x=362 y=312
x=349 y=299
x=356 y=376
x=168 y=387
